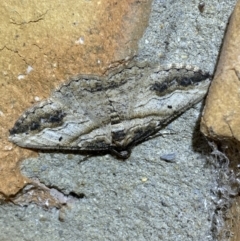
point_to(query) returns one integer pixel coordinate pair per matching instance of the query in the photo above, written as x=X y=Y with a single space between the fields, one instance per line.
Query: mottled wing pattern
x=74 y=117
x=150 y=97
x=113 y=112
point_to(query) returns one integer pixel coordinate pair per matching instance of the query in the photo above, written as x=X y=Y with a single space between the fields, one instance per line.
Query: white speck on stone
x=47 y=203
x=146 y=41
x=21 y=76
x=80 y=41
x=1 y=113
x=99 y=61
x=144 y=179
x=8 y=148
x=36 y=98
x=54 y=65
x=29 y=69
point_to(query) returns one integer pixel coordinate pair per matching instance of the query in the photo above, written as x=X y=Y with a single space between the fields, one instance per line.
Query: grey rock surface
x=144 y=197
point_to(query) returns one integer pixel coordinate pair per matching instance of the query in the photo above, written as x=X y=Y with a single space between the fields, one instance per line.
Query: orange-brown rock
x=42 y=43
x=221 y=118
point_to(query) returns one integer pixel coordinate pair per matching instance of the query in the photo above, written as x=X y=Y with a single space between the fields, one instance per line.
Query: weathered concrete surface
x=43 y=43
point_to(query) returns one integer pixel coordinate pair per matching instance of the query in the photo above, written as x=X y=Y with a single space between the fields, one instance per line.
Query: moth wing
x=180 y=87
x=147 y=97
x=74 y=117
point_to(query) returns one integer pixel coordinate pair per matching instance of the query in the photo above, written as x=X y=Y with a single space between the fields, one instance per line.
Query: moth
x=113 y=112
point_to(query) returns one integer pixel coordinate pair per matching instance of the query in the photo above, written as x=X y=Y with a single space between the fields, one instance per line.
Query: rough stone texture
x=143 y=198
x=43 y=43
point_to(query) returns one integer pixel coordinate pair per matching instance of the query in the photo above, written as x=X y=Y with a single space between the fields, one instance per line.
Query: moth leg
x=162 y=133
